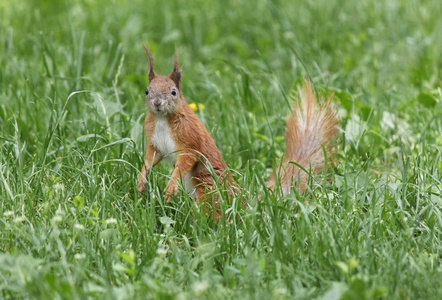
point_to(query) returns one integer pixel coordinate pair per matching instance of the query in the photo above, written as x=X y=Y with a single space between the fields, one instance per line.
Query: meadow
x=72 y=82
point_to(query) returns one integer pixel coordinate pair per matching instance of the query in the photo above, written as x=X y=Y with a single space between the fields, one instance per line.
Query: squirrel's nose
x=157 y=103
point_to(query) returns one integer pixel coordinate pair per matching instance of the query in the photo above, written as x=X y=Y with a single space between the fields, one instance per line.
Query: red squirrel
x=174 y=131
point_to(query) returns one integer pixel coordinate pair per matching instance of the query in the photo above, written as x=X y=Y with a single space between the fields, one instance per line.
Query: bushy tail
x=309 y=127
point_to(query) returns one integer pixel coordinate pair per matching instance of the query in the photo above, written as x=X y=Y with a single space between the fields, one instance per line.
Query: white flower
x=79 y=226
x=161 y=251
x=280 y=291
x=57 y=218
x=200 y=287
x=111 y=221
x=8 y=213
x=19 y=219
x=79 y=256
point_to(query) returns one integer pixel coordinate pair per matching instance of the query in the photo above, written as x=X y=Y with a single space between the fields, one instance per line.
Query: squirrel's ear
x=149 y=55
x=176 y=73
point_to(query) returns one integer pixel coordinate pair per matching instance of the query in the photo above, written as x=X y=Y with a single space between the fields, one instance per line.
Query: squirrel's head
x=163 y=94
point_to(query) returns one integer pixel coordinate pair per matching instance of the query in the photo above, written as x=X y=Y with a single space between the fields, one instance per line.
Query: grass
x=72 y=81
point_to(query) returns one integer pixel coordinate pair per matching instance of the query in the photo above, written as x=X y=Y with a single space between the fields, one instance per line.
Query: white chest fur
x=162 y=139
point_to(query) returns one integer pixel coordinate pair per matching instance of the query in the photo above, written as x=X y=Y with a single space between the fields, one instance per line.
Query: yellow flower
x=196 y=106
x=193 y=106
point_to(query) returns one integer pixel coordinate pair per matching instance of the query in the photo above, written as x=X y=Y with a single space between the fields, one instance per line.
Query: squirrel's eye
x=174 y=92
x=147 y=92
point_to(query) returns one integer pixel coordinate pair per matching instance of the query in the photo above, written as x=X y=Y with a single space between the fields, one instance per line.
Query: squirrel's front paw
x=171 y=190
x=142 y=181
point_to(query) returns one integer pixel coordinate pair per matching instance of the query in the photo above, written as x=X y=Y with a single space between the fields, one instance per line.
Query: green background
x=72 y=81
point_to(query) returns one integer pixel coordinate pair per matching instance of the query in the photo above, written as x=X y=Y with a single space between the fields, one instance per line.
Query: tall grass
x=72 y=81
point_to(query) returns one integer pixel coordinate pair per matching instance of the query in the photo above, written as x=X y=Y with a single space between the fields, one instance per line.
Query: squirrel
x=174 y=131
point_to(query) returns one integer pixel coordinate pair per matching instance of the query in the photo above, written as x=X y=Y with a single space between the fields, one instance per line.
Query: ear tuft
x=149 y=55
x=176 y=73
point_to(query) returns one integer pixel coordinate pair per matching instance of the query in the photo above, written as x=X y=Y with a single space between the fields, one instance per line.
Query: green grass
x=72 y=81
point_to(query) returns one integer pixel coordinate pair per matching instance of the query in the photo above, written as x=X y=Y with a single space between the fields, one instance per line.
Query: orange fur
x=173 y=130
x=309 y=127
x=195 y=147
